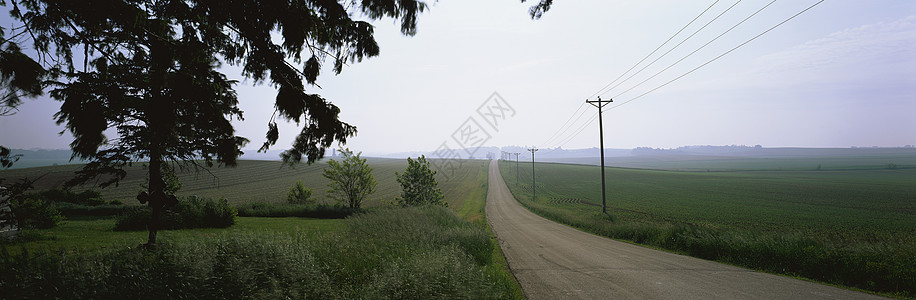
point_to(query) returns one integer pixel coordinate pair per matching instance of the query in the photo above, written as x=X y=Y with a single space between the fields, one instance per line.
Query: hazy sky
x=842 y=74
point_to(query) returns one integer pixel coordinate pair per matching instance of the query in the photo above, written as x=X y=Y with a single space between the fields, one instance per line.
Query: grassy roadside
x=775 y=222
x=413 y=253
x=386 y=253
x=473 y=210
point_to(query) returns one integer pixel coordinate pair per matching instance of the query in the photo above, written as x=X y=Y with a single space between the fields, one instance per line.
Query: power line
x=567 y=125
x=602 y=90
x=564 y=124
x=577 y=132
x=584 y=112
x=720 y=55
x=697 y=50
x=580 y=129
x=673 y=48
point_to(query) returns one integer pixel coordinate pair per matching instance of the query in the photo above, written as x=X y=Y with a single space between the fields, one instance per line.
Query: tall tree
x=351 y=179
x=538 y=10
x=20 y=76
x=149 y=73
x=419 y=185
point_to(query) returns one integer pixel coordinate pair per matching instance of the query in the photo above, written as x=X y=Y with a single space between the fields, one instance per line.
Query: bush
x=35 y=213
x=95 y=201
x=71 y=209
x=191 y=212
x=87 y=197
x=419 y=185
x=282 y=210
x=299 y=194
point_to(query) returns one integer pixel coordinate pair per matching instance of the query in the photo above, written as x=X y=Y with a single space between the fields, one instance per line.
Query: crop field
x=257 y=181
x=901 y=160
x=858 y=225
x=418 y=253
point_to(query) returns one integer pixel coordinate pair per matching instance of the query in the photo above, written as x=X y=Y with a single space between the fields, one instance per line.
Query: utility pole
x=600 y=105
x=516 y=167
x=533 y=190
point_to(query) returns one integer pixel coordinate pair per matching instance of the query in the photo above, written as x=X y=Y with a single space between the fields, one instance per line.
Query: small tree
x=351 y=179
x=299 y=194
x=418 y=184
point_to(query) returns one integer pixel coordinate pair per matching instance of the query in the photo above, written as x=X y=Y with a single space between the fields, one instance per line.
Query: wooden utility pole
x=533 y=190
x=516 y=167
x=600 y=105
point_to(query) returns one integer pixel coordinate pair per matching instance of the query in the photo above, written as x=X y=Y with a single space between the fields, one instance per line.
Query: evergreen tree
x=150 y=73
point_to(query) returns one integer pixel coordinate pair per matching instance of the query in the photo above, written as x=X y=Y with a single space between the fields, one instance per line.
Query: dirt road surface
x=553 y=261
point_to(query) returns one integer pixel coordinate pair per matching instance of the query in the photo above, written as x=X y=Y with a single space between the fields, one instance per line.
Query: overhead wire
x=555 y=134
x=675 y=47
x=577 y=130
x=697 y=50
x=580 y=129
x=564 y=128
x=602 y=90
x=720 y=55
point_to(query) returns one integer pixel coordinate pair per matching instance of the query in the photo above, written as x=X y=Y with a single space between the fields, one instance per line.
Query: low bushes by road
x=403 y=253
x=318 y=211
x=190 y=212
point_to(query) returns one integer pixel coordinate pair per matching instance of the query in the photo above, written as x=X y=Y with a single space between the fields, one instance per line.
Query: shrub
x=95 y=201
x=299 y=194
x=87 y=197
x=191 y=212
x=351 y=179
x=56 y=195
x=319 y=211
x=32 y=212
x=71 y=209
x=419 y=185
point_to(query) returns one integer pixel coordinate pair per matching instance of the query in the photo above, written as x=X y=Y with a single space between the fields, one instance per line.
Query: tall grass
x=410 y=253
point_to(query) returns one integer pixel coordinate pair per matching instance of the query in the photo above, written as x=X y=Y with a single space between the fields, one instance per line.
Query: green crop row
x=852 y=228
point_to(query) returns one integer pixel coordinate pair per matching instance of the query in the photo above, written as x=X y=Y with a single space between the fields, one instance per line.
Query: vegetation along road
x=555 y=261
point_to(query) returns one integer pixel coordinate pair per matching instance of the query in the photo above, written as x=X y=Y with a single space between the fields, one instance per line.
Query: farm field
x=451 y=252
x=901 y=159
x=854 y=227
x=255 y=181
x=251 y=181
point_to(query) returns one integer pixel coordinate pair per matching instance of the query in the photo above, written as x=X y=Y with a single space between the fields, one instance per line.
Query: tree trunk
x=157 y=195
x=159 y=122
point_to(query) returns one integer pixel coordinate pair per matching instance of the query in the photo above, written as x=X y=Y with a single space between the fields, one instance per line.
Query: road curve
x=553 y=261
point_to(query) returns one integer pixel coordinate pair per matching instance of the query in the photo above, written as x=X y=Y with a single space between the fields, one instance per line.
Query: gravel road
x=553 y=261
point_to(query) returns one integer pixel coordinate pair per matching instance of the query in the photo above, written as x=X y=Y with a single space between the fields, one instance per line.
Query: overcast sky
x=841 y=74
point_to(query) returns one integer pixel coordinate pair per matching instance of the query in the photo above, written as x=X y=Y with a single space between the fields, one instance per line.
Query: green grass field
x=264 y=181
x=830 y=160
x=433 y=253
x=850 y=227
x=253 y=181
